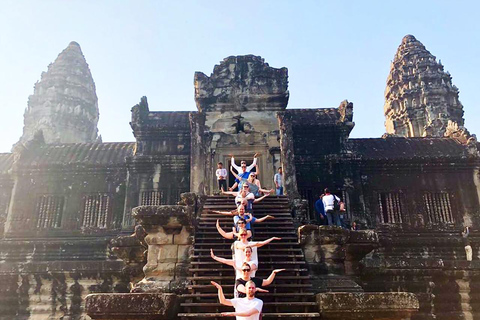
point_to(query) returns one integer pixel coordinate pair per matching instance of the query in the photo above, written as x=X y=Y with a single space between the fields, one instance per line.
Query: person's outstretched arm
x=221 y=296
x=239 y=169
x=234 y=174
x=233 y=193
x=270 y=278
x=261 y=198
x=264 y=218
x=225 y=213
x=226 y=235
x=262 y=243
x=222 y=260
x=254 y=163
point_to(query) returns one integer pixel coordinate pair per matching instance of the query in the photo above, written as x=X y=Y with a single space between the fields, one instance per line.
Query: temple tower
x=420 y=98
x=64 y=105
x=237 y=115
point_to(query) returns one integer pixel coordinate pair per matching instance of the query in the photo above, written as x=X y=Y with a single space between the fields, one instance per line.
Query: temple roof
x=314 y=116
x=6 y=161
x=407 y=148
x=89 y=154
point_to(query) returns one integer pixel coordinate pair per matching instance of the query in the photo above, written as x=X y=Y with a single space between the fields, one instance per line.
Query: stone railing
x=333 y=255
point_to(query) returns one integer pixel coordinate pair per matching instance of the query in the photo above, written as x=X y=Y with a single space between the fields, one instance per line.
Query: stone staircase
x=290 y=295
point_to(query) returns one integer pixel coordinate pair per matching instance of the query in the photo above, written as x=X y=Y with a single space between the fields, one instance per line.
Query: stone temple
x=122 y=230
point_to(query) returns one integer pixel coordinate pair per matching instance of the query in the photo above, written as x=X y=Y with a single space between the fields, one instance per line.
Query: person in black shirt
x=259 y=282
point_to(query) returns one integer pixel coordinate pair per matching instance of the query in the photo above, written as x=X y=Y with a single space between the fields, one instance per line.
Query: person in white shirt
x=221 y=174
x=243 y=171
x=328 y=200
x=248 y=308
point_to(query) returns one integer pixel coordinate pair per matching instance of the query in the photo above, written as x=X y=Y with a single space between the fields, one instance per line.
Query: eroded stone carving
x=241 y=83
x=170 y=237
x=420 y=98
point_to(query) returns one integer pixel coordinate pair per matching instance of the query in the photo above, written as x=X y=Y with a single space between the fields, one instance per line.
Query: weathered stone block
x=366 y=306
x=133 y=306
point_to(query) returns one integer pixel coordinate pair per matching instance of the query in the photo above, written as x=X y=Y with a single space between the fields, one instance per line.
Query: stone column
x=288 y=156
x=169 y=238
x=199 y=154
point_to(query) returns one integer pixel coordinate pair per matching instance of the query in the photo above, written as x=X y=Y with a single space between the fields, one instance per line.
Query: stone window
x=96 y=210
x=49 y=211
x=438 y=207
x=392 y=207
x=151 y=198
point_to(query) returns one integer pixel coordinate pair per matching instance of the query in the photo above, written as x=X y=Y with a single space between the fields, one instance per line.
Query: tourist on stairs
x=240 y=283
x=243 y=171
x=236 y=264
x=247 y=308
x=243 y=242
x=241 y=224
x=250 y=181
x=241 y=214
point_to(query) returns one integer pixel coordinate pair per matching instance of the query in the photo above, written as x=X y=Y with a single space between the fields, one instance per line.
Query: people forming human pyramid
x=244 y=259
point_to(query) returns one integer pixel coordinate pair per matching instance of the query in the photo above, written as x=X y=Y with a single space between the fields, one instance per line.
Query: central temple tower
x=237 y=115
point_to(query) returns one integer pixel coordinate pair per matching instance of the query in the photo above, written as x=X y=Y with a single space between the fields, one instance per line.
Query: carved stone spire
x=420 y=98
x=64 y=104
x=241 y=83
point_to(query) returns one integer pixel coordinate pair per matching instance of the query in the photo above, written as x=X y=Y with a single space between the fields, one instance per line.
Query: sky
x=334 y=50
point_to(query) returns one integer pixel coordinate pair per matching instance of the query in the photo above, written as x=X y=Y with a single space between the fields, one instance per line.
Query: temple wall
x=159 y=169
x=52 y=295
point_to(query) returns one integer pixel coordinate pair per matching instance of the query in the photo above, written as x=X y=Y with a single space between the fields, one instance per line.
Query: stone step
x=220 y=278
x=264 y=256
x=211 y=239
x=262 y=262
x=267 y=224
x=282 y=306
x=229 y=269
x=285 y=316
x=266 y=232
x=210 y=304
x=263 y=294
x=276 y=286
x=260 y=250
x=217 y=244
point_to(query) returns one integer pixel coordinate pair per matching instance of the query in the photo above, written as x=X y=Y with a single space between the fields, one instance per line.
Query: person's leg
x=222 y=184
x=281 y=191
x=329 y=217
x=278 y=191
x=338 y=223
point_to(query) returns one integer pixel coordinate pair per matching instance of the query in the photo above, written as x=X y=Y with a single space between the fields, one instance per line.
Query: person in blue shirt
x=320 y=216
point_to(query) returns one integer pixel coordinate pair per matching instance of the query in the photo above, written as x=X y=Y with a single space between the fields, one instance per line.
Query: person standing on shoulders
x=278 y=179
